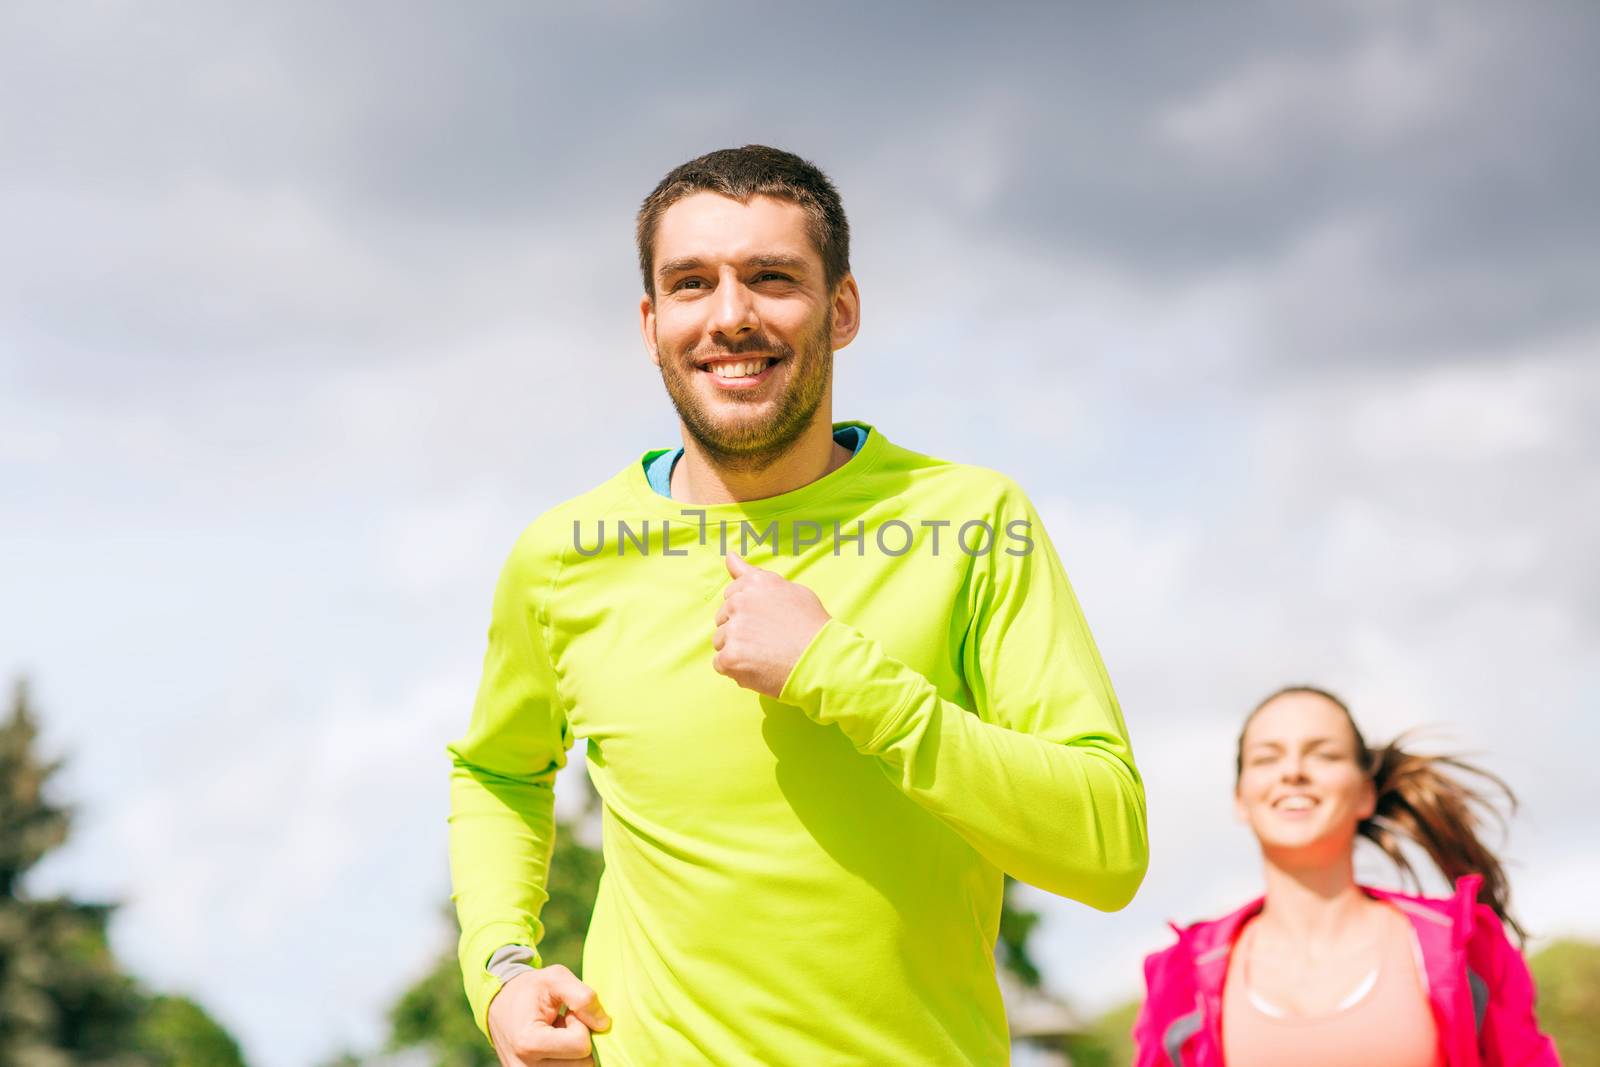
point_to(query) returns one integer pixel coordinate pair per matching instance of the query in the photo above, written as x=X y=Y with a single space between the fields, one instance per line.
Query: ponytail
x=1426 y=800
x=1422 y=801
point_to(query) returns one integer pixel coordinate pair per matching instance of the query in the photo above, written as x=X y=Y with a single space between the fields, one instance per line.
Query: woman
x=1323 y=972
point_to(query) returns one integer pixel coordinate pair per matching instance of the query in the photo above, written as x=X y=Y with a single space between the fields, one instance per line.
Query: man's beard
x=752 y=445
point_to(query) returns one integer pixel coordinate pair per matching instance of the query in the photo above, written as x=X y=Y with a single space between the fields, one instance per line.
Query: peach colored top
x=1382 y=1021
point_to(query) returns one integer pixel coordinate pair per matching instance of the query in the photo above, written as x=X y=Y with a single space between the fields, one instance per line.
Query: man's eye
x=771 y=275
x=689 y=283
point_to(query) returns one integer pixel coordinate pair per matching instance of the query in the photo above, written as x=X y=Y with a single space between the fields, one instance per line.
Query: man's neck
x=699 y=479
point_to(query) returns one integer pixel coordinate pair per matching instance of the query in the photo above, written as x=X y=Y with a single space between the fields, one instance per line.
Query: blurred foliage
x=1567 y=975
x=177 y=1032
x=1106 y=1042
x=64 y=1001
x=1016 y=926
x=433 y=1016
x=30 y=825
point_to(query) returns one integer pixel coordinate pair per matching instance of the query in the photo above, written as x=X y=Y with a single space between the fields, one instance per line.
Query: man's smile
x=738 y=372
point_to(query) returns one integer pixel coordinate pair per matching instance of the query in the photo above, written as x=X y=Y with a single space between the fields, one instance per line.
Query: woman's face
x=1301 y=789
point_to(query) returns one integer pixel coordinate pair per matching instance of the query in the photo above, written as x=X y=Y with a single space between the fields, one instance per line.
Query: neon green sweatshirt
x=814 y=879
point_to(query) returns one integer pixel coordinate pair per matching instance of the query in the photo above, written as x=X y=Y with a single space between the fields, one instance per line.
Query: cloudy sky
x=1286 y=317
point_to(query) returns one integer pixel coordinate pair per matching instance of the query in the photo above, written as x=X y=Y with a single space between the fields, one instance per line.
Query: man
x=815 y=764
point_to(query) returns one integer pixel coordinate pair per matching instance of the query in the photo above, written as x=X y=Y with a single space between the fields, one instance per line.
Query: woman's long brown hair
x=1425 y=799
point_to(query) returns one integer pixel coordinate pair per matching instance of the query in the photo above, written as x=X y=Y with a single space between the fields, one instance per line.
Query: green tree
x=1016 y=926
x=177 y=1032
x=1106 y=1042
x=64 y=1001
x=1567 y=975
x=62 y=998
x=1055 y=1028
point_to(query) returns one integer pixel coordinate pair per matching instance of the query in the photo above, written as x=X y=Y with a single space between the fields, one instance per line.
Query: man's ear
x=647 y=327
x=846 y=312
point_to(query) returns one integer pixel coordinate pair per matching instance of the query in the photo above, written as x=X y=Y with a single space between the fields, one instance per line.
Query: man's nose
x=733 y=313
x=1294 y=769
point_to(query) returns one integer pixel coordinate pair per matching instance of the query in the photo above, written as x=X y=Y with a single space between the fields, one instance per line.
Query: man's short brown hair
x=741 y=173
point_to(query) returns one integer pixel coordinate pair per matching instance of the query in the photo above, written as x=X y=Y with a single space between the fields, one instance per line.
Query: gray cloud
x=313 y=185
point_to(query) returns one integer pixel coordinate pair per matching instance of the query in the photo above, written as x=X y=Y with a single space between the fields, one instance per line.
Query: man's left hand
x=764 y=624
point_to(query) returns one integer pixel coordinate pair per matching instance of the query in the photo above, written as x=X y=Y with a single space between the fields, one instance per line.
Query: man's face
x=743 y=326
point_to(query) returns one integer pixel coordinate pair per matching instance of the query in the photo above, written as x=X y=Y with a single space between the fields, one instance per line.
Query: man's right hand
x=544 y=1017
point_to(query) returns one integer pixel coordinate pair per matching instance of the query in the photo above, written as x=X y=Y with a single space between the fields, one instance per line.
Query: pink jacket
x=1478 y=986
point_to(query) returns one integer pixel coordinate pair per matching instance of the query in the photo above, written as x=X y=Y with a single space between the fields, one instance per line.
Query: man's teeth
x=739 y=370
x=1297 y=804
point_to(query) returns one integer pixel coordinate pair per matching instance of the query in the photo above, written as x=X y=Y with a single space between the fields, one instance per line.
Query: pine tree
x=64 y=1001
x=30 y=826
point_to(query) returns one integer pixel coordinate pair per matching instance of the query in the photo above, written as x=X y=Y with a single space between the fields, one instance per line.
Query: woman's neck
x=1316 y=906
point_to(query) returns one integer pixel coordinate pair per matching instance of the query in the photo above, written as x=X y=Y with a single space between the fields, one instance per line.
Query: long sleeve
x=1147 y=1050
x=1170 y=1011
x=502 y=799
x=1510 y=1034
x=1039 y=777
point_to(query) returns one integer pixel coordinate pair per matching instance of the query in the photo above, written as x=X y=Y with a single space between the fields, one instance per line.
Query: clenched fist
x=544 y=1017
x=765 y=622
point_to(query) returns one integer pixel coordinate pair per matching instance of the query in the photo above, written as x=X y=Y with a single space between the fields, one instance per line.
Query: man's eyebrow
x=766 y=261
x=794 y=263
x=673 y=266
